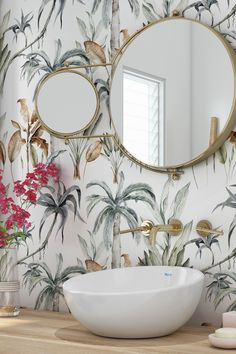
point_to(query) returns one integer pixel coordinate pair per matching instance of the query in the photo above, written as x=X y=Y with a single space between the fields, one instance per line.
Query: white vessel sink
x=136 y=302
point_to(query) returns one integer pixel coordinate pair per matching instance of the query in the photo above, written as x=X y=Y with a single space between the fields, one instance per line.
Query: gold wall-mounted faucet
x=174 y=228
x=204 y=228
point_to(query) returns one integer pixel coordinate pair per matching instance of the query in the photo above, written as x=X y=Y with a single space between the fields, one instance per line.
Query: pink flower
x=2 y=242
x=35 y=186
x=31 y=196
x=44 y=171
x=16 y=217
x=3 y=237
x=30 y=175
x=53 y=171
x=5 y=204
x=2 y=188
x=19 y=188
x=28 y=225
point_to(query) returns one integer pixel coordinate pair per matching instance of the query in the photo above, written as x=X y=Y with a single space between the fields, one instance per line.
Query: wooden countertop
x=41 y=332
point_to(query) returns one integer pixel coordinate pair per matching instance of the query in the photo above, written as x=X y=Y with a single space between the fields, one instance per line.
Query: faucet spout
x=174 y=228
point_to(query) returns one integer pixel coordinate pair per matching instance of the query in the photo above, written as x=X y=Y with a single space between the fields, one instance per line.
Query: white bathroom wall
x=213 y=86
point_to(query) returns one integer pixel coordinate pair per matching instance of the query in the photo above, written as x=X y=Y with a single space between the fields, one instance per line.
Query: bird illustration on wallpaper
x=93 y=252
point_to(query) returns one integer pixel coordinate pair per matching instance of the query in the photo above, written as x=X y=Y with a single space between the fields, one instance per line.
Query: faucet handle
x=177 y=227
x=204 y=228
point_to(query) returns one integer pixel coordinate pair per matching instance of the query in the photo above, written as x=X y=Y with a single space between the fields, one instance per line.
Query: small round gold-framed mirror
x=67 y=103
x=172 y=94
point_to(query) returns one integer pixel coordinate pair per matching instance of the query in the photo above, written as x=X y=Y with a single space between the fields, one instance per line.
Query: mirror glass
x=66 y=102
x=169 y=82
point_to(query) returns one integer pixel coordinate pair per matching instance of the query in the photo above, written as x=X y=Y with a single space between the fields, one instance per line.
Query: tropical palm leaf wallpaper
x=77 y=221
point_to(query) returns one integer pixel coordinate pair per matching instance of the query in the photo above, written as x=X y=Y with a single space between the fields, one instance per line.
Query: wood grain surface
x=42 y=332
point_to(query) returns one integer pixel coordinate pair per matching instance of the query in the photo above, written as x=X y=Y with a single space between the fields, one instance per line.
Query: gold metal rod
x=172 y=172
x=168 y=229
x=83 y=66
x=213 y=130
x=140 y=228
x=209 y=231
x=68 y=137
x=164 y=228
x=89 y=136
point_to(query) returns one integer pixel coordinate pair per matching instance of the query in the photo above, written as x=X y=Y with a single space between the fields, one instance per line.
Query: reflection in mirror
x=67 y=102
x=143 y=101
x=168 y=84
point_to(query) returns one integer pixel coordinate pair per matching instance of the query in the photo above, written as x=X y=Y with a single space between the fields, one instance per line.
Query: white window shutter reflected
x=143 y=116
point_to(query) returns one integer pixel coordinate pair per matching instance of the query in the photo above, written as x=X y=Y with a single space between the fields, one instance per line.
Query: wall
x=110 y=180
x=209 y=83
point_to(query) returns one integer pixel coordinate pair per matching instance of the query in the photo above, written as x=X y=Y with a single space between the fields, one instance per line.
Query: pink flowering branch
x=15 y=223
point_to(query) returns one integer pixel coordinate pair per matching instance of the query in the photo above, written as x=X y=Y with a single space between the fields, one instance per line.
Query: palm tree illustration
x=115 y=208
x=38 y=273
x=58 y=202
x=7 y=57
x=38 y=62
x=111 y=17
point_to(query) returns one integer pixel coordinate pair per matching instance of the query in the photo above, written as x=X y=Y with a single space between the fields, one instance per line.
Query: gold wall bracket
x=213 y=130
x=204 y=228
x=176 y=13
x=174 y=173
x=86 y=66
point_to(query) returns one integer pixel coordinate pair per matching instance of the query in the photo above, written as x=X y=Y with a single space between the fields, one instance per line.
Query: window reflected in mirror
x=169 y=81
x=143 y=115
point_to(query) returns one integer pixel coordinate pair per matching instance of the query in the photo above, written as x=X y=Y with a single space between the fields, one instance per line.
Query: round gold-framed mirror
x=67 y=103
x=172 y=94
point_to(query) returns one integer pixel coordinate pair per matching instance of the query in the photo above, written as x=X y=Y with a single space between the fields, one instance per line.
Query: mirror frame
x=230 y=122
x=53 y=132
